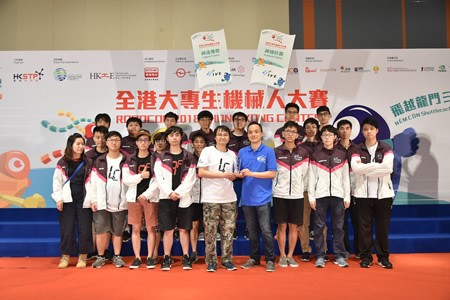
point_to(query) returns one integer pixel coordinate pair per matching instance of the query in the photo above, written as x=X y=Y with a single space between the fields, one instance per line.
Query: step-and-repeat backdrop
x=47 y=95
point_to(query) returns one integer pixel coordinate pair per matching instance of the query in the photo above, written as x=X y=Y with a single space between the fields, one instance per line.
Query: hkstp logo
x=28 y=77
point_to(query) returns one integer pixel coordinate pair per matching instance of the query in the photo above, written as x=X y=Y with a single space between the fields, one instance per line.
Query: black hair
x=173 y=129
x=289 y=105
x=344 y=122
x=370 y=121
x=68 y=152
x=322 y=109
x=103 y=116
x=312 y=121
x=101 y=129
x=205 y=114
x=254 y=123
x=113 y=133
x=200 y=134
x=134 y=119
x=292 y=124
x=240 y=114
x=171 y=115
x=222 y=128
x=329 y=128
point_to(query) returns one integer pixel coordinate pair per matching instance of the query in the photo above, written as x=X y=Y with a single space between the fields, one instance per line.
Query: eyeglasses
x=143 y=140
x=327 y=135
x=239 y=120
x=323 y=114
x=292 y=112
x=290 y=132
x=113 y=140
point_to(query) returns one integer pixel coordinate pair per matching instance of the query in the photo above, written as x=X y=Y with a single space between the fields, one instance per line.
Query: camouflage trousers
x=222 y=215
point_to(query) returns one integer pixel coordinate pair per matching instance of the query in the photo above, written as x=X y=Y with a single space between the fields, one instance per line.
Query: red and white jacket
x=329 y=174
x=292 y=170
x=381 y=166
x=163 y=175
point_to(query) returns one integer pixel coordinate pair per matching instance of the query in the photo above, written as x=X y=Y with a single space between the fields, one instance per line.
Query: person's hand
x=141 y=197
x=246 y=173
x=174 y=196
x=313 y=205
x=346 y=204
x=94 y=206
x=59 y=205
x=145 y=174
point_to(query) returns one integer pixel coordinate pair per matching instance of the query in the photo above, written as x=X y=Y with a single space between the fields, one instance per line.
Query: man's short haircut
x=322 y=109
x=101 y=129
x=112 y=134
x=254 y=123
x=103 y=116
x=291 y=124
x=134 y=119
x=171 y=115
x=173 y=129
x=200 y=134
x=329 y=128
x=370 y=121
x=344 y=122
x=205 y=114
x=240 y=114
x=311 y=121
x=289 y=105
x=222 y=128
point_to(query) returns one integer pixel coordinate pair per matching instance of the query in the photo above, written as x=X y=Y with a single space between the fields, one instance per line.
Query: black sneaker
x=306 y=256
x=126 y=236
x=246 y=234
x=235 y=234
x=365 y=263
x=136 y=263
x=167 y=263
x=326 y=258
x=194 y=257
x=229 y=266
x=108 y=255
x=150 y=263
x=311 y=235
x=187 y=265
x=385 y=263
x=92 y=255
x=212 y=267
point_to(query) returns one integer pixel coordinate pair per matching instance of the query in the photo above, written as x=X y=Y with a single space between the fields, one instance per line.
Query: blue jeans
x=258 y=218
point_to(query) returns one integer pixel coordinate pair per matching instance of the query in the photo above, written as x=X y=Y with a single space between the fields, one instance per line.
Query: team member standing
x=373 y=192
x=175 y=177
x=137 y=174
x=290 y=114
x=258 y=167
x=108 y=199
x=70 y=182
x=204 y=119
x=217 y=167
x=329 y=188
x=288 y=188
x=101 y=119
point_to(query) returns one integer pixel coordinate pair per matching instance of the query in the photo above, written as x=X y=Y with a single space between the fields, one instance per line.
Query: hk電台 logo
x=29 y=77
x=151 y=73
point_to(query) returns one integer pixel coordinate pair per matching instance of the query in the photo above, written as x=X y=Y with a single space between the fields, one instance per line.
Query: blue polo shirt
x=257 y=191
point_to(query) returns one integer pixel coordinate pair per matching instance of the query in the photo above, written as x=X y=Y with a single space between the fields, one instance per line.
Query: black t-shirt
x=177 y=163
x=140 y=165
x=77 y=181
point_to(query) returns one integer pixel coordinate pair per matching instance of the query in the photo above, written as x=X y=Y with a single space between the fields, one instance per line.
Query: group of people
x=168 y=181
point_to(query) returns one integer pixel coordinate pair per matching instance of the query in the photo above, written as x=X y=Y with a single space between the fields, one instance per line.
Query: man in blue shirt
x=258 y=166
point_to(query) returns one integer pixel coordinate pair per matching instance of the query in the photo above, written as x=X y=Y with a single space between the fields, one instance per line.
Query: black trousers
x=351 y=211
x=370 y=210
x=72 y=220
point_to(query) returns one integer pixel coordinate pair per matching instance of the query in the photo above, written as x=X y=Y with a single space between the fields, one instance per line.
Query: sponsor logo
x=112 y=75
x=151 y=73
x=361 y=70
x=328 y=70
x=261 y=158
x=441 y=68
x=29 y=77
x=427 y=69
x=400 y=69
x=209 y=37
x=310 y=70
x=61 y=74
x=337 y=160
x=292 y=71
x=298 y=157
x=345 y=69
x=376 y=69
x=277 y=38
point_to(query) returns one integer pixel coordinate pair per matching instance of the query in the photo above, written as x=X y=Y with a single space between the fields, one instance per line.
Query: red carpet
x=415 y=276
